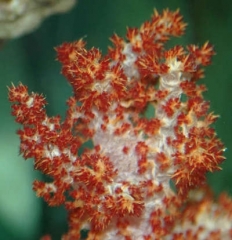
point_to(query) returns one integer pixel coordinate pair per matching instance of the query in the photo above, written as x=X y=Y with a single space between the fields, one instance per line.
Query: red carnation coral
x=120 y=189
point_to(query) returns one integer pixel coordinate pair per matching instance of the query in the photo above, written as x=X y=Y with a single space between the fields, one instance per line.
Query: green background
x=30 y=60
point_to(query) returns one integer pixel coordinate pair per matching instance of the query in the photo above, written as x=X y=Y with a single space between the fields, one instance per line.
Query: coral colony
x=144 y=177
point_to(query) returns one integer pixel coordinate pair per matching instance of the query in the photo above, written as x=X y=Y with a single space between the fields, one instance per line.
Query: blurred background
x=31 y=60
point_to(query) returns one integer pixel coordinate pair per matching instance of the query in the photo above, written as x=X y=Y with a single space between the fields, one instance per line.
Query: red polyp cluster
x=120 y=188
x=94 y=82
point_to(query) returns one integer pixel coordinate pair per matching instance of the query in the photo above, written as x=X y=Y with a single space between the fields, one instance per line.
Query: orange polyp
x=143 y=165
x=125 y=150
x=103 y=127
x=151 y=188
x=141 y=148
x=163 y=161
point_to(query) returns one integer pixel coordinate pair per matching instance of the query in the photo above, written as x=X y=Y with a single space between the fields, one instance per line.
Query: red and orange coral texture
x=120 y=188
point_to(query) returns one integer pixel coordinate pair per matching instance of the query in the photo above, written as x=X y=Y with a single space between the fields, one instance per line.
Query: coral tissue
x=19 y=17
x=144 y=176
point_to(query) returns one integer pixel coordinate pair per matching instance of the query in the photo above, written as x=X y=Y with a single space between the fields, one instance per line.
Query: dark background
x=31 y=60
